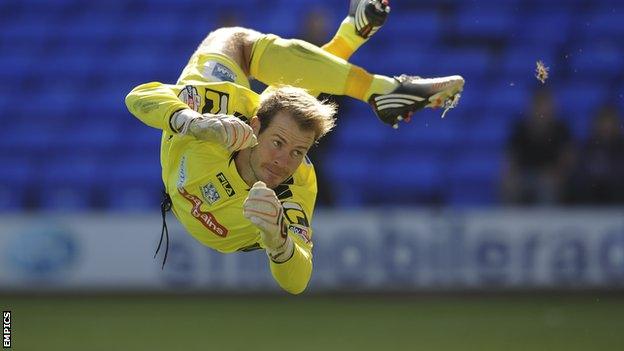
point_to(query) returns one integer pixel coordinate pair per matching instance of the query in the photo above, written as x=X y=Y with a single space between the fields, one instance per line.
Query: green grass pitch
x=589 y=321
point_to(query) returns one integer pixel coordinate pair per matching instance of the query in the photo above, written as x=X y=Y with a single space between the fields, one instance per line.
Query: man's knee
x=235 y=33
x=234 y=42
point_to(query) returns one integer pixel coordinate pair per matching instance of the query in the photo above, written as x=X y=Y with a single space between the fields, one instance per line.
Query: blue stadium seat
x=492 y=5
x=90 y=27
x=554 y=5
x=43 y=4
x=474 y=178
x=487 y=131
x=604 y=24
x=407 y=177
x=91 y=138
x=279 y=21
x=549 y=28
x=17 y=175
x=577 y=103
x=159 y=26
x=27 y=139
x=4 y=102
x=359 y=127
x=489 y=24
x=136 y=198
x=132 y=182
x=349 y=172
x=597 y=62
x=427 y=131
x=54 y=106
x=414 y=29
x=67 y=183
x=374 y=58
x=140 y=137
x=472 y=64
x=511 y=98
x=31 y=29
x=13 y=68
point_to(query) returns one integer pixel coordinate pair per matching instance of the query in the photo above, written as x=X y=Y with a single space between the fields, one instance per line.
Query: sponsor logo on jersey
x=190 y=96
x=182 y=172
x=226 y=185
x=210 y=193
x=218 y=71
x=207 y=219
x=301 y=231
x=295 y=214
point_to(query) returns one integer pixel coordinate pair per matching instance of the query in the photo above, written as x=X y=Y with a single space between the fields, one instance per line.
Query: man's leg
x=299 y=61
x=274 y=61
x=277 y=61
x=364 y=19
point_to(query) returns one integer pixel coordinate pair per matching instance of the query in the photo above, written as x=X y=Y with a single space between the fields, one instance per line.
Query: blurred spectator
x=539 y=155
x=228 y=18
x=599 y=176
x=316 y=27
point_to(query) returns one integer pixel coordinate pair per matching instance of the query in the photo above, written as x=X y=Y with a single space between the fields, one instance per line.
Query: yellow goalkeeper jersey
x=201 y=177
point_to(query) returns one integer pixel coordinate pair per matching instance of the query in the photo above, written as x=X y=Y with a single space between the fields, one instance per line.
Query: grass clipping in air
x=541 y=71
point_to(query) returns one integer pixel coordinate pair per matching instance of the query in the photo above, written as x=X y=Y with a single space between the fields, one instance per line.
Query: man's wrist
x=282 y=253
x=181 y=120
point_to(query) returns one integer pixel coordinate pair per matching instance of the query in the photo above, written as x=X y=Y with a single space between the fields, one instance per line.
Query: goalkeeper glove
x=229 y=131
x=265 y=211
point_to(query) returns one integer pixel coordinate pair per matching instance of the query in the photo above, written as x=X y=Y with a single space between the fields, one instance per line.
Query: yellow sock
x=361 y=84
x=346 y=41
x=381 y=85
x=295 y=62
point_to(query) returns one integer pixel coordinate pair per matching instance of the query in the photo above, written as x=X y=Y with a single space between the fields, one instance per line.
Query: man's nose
x=280 y=159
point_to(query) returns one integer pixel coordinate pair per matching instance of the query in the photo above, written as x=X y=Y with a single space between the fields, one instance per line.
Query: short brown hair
x=308 y=112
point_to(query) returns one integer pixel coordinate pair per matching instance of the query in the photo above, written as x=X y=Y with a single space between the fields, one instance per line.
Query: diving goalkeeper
x=234 y=163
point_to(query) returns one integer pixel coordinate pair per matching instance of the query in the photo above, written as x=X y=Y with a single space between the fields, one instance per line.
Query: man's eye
x=297 y=153
x=276 y=143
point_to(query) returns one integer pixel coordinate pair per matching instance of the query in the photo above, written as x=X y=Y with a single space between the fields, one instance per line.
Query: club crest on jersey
x=218 y=71
x=210 y=193
x=190 y=96
x=226 y=185
x=301 y=231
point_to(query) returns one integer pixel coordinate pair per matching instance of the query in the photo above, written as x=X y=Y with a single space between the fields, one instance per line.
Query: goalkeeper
x=234 y=163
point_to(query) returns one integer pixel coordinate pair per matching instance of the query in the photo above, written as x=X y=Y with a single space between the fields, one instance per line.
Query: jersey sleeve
x=154 y=103
x=294 y=274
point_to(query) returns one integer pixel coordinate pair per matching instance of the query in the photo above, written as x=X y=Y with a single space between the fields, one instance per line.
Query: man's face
x=280 y=150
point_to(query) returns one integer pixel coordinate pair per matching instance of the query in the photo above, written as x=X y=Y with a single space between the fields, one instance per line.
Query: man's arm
x=153 y=104
x=289 y=256
x=158 y=106
x=294 y=274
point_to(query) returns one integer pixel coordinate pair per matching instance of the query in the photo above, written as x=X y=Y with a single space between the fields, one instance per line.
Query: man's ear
x=254 y=122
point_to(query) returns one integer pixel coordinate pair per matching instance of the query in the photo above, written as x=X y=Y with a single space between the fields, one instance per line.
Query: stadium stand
x=70 y=63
